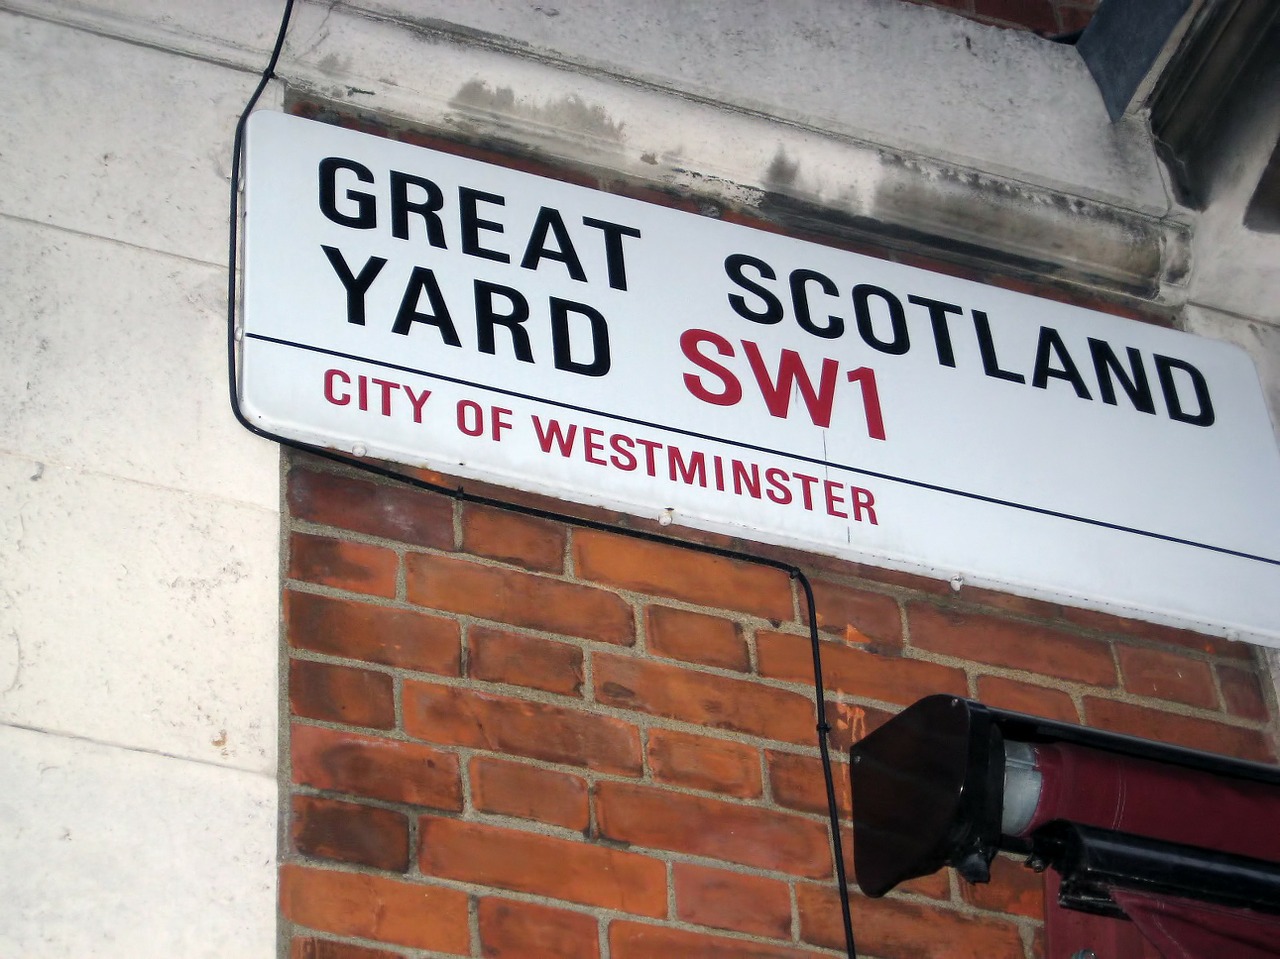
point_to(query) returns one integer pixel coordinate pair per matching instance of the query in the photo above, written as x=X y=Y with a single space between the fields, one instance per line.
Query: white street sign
x=438 y=311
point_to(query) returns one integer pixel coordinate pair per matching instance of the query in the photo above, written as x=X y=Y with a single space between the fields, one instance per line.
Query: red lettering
x=622 y=457
x=693 y=473
x=863 y=501
x=553 y=433
x=830 y=487
x=649 y=447
x=591 y=445
x=500 y=422
x=418 y=401
x=387 y=387
x=865 y=377
x=731 y=390
x=777 y=480
x=470 y=417
x=806 y=488
x=793 y=376
x=746 y=476
x=329 y=394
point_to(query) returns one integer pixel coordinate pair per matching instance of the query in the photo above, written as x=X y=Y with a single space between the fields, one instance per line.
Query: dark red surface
x=1165 y=802
x=1069 y=932
x=1183 y=929
x=1159 y=801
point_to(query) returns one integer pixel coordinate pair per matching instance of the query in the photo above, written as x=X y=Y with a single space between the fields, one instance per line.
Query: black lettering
x=366 y=215
x=356 y=286
x=613 y=234
x=488 y=319
x=471 y=224
x=941 y=331
x=1049 y=348
x=402 y=206
x=901 y=341
x=561 y=340
x=800 y=300
x=990 y=363
x=772 y=312
x=537 y=250
x=419 y=280
x=1106 y=363
x=1165 y=367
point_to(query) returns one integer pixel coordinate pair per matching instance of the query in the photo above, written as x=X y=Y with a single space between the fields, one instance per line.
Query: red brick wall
x=1045 y=17
x=511 y=737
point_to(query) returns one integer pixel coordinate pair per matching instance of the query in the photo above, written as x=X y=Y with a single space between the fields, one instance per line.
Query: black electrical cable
x=462 y=495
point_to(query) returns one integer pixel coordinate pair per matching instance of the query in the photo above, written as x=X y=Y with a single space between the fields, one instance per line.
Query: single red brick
x=528 y=792
x=357 y=567
x=1151 y=632
x=1001 y=642
x=1014 y=889
x=340 y=694
x=458 y=716
x=367 y=835
x=857 y=615
x=633 y=940
x=708 y=700
x=376 y=634
x=797 y=782
x=308 y=947
x=1243 y=693
x=1161 y=675
x=682 y=574
x=890 y=577
x=371 y=907
x=700 y=762
x=696 y=638
x=855 y=672
x=1025 y=606
x=513 y=538
x=376 y=509
x=578 y=872
x=501 y=656
x=523 y=930
x=747 y=835
x=1027 y=698
x=378 y=768
x=732 y=900
x=896 y=929
x=519 y=599
x=1203 y=734
x=936 y=885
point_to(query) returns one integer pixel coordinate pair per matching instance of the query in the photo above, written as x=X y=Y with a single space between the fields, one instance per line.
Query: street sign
x=437 y=311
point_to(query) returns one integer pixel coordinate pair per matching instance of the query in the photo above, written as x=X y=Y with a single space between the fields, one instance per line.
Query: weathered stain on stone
x=716 y=189
x=1060 y=234
x=782 y=170
x=11 y=662
x=569 y=112
x=332 y=65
